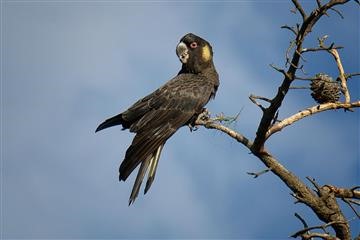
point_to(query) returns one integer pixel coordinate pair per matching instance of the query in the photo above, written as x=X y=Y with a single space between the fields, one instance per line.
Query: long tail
x=145 y=150
x=149 y=165
x=113 y=121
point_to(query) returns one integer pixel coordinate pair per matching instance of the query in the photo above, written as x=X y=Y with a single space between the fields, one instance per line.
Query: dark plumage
x=156 y=117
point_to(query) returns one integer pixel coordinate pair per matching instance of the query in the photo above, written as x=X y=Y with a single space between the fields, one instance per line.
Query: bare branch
x=318 y=3
x=307 y=78
x=299 y=87
x=300 y=9
x=306 y=27
x=301 y=220
x=325 y=236
x=356 y=202
x=317 y=186
x=213 y=124
x=323 y=227
x=289 y=28
x=253 y=99
x=288 y=50
x=317 y=49
x=342 y=75
x=280 y=70
x=258 y=174
x=324 y=201
x=345 y=192
x=348 y=202
x=322 y=206
x=350 y=75
x=338 y=12
x=308 y=112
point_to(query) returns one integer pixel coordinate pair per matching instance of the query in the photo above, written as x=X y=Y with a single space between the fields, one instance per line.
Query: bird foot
x=193 y=128
x=204 y=115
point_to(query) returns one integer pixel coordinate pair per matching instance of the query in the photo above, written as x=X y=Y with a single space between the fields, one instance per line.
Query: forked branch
x=323 y=201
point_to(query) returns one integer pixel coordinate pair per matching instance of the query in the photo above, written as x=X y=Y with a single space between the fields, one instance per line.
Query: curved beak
x=182 y=52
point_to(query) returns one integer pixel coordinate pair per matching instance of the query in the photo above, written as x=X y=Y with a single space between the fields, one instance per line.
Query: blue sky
x=68 y=65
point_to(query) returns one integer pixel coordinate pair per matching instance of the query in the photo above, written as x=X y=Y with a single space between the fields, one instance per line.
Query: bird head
x=194 y=53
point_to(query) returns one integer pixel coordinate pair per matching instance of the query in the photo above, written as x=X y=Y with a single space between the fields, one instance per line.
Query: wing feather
x=155 y=119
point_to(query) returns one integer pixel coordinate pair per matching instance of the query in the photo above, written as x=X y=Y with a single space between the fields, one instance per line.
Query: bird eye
x=193 y=45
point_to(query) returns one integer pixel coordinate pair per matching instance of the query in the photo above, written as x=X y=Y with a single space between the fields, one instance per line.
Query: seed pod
x=324 y=89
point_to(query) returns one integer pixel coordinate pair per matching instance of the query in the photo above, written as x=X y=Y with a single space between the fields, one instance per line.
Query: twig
x=304 y=223
x=299 y=87
x=317 y=186
x=356 y=202
x=289 y=28
x=275 y=120
x=342 y=74
x=288 y=50
x=308 y=112
x=338 y=12
x=257 y=174
x=318 y=3
x=278 y=69
x=306 y=78
x=298 y=68
x=310 y=79
x=351 y=206
x=301 y=220
x=323 y=227
x=325 y=236
x=350 y=75
x=253 y=99
x=213 y=124
x=300 y=9
x=304 y=50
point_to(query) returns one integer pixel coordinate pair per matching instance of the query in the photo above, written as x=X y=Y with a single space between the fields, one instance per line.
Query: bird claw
x=193 y=128
x=204 y=115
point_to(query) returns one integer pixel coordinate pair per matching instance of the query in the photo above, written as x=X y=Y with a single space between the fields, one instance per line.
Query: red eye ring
x=193 y=45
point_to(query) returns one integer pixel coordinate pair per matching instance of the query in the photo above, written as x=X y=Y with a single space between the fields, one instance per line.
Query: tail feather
x=140 y=149
x=150 y=163
x=113 y=121
x=153 y=166
x=139 y=178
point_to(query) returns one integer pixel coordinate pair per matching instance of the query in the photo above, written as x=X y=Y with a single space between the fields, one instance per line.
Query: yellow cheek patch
x=206 y=53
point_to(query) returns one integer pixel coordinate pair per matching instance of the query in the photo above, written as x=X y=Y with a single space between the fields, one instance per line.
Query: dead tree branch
x=306 y=231
x=323 y=201
x=345 y=192
x=342 y=75
x=308 y=112
x=300 y=9
x=306 y=27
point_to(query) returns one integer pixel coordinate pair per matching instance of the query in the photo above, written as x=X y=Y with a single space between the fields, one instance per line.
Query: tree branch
x=211 y=123
x=323 y=201
x=308 y=112
x=299 y=8
x=323 y=204
x=350 y=75
x=307 y=229
x=317 y=49
x=345 y=192
x=269 y=113
x=342 y=75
